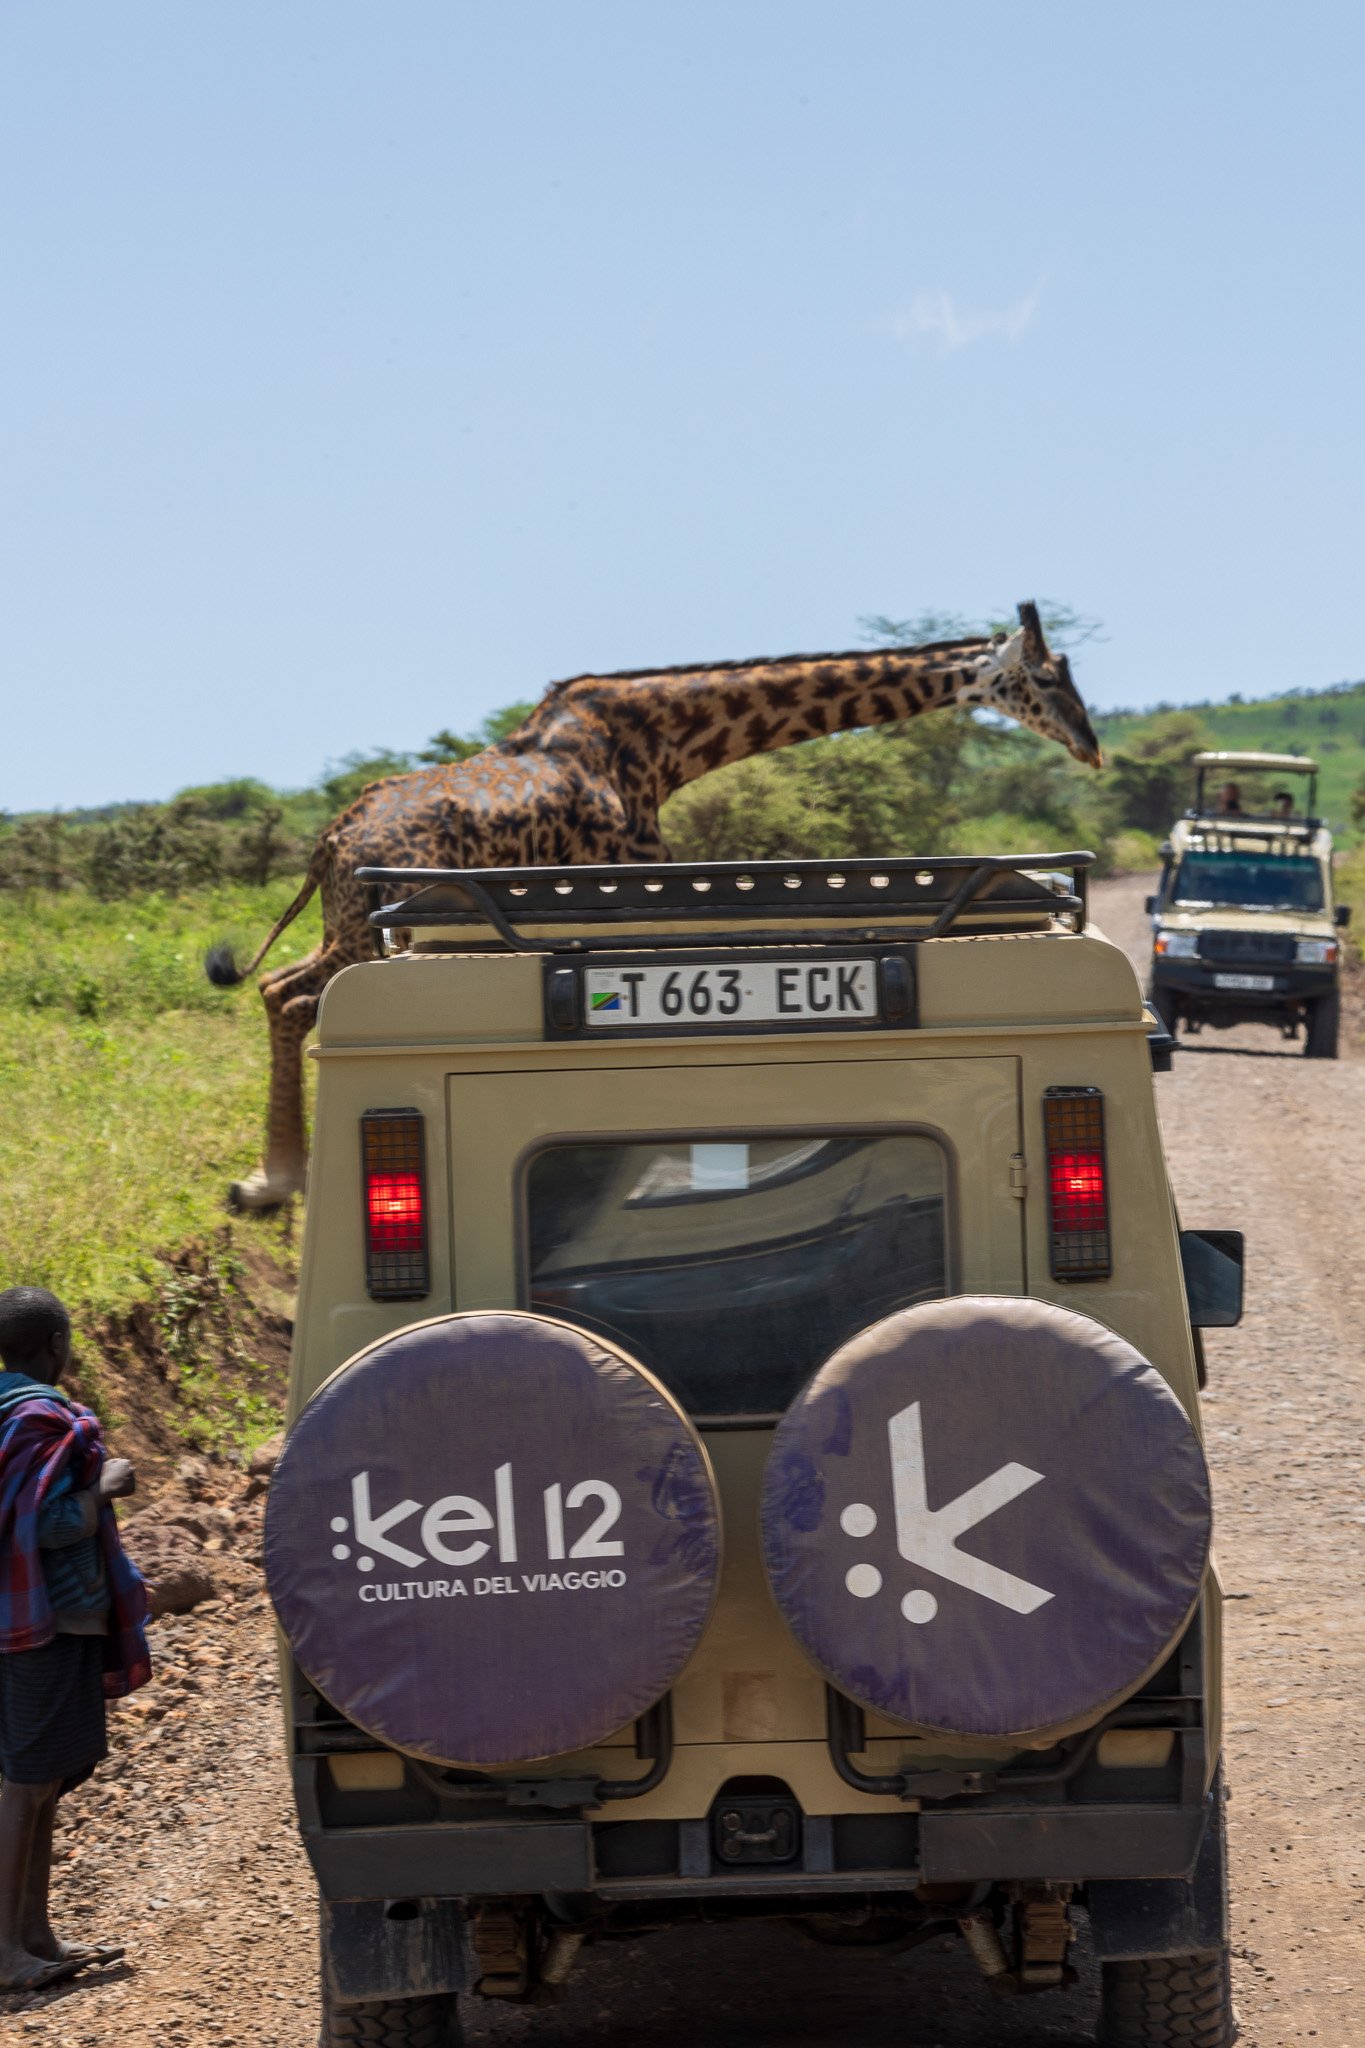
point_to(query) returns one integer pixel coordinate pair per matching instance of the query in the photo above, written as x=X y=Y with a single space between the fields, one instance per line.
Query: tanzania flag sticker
x=606 y=1002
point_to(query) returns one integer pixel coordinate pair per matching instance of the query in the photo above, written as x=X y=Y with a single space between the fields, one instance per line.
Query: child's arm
x=67 y=1517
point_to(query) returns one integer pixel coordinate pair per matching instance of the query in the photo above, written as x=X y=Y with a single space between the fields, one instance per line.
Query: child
x=72 y=1609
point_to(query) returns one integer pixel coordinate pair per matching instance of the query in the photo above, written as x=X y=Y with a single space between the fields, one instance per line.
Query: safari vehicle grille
x=1260 y=946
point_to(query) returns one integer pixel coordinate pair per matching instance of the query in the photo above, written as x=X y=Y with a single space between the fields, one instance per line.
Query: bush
x=892 y=789
x=1149 y=780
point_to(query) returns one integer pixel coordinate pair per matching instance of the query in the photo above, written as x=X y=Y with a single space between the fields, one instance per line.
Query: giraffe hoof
x=261 y=1191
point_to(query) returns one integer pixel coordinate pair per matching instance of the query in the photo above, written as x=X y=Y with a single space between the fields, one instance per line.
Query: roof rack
x=744 y=895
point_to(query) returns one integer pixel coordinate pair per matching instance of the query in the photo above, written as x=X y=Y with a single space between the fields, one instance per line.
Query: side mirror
x=1161 y=1044
x=1342 y=914
x=1149 y=904
x=1213 y=1261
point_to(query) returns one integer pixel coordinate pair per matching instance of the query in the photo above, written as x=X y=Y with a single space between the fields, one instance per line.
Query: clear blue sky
x=369 y=366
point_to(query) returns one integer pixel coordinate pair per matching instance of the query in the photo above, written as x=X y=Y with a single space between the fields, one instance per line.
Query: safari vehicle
x=1245 y=930
x=744 y=1456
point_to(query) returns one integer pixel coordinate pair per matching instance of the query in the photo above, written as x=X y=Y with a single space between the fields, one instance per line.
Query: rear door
x=729 y=1226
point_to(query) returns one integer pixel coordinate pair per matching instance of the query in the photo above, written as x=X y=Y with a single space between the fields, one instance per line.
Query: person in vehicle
x=1230 y=800
x=72 y=1615
x=1282 y=804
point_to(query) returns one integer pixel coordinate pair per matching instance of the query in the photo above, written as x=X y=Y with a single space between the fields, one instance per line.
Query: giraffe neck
x=656 y=730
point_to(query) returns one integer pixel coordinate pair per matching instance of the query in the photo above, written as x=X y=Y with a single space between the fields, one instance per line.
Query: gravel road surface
x=184 y=1846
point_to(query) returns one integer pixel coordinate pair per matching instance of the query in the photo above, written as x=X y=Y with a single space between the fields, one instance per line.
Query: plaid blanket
x=39 y=1438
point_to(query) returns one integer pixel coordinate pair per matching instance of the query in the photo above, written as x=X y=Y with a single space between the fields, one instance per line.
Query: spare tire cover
x=492 y=1538
x=986 y=1516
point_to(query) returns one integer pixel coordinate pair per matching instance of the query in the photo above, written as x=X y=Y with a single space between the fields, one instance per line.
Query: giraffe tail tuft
x=221 y=967
x=219 y=962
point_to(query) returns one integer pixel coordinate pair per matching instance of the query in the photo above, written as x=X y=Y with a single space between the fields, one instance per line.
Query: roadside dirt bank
x=184 y=1846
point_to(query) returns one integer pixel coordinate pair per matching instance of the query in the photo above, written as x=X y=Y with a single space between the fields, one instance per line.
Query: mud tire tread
x=1168 y=2002
x=394 y=2023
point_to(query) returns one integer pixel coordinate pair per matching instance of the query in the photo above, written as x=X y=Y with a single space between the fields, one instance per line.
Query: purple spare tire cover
x=986 y=1516
x=491 y=1539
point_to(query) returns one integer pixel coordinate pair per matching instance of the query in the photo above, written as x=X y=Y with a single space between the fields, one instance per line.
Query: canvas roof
x=1284 y=764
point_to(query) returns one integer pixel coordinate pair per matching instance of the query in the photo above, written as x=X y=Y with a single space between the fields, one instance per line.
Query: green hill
x=1328 y=725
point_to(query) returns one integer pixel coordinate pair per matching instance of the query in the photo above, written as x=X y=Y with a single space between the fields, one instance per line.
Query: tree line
x=956 y=781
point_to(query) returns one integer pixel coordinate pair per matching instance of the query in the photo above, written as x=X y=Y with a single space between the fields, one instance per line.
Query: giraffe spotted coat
x=583 y=780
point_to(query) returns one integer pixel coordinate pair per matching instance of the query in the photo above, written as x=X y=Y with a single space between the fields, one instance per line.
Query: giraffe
x=583 y=779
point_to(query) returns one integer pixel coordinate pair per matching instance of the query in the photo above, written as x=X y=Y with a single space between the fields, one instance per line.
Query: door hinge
x=1018 y=1175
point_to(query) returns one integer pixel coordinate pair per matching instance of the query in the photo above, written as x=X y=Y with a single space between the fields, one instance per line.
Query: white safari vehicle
x=1245 y=929
x=745 y=1454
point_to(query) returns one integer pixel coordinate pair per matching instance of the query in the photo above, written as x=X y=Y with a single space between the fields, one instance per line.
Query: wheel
x=1167 y=2002
x=1162 y=1004
x=392 y=2023
x=1324 y=1026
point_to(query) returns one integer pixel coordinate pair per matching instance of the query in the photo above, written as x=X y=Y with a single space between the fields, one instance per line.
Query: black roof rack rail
x=744 y=895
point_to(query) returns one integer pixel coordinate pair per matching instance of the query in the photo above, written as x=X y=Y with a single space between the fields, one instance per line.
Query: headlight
x=1316 y=952
x=1178 y=945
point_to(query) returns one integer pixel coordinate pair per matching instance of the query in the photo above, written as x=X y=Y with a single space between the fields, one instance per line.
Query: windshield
x=733 y=1270
x=1249 y=881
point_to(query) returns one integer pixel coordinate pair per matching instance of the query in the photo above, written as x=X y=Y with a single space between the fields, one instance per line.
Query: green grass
x=139 y=957
x=131 y=1091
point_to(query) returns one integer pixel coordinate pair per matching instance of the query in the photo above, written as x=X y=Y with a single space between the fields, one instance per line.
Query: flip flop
x=90 y=1955
x=48 y=1974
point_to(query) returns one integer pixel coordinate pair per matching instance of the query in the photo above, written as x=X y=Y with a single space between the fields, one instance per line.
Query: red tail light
x=395 y=1202
x=1078 y=1194
x=393 y=1162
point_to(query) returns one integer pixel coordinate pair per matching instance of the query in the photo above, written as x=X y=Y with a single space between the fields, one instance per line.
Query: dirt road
x=185 y=1846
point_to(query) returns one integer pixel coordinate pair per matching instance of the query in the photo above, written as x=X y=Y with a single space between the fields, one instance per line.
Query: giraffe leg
x=291 y=1002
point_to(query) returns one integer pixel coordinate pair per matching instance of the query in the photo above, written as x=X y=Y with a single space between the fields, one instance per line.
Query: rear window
x=1270 y=882
x=733 y=1269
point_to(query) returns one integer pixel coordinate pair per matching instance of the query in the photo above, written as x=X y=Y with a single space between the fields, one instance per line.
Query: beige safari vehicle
x=744 y=1455
x=1245 y=929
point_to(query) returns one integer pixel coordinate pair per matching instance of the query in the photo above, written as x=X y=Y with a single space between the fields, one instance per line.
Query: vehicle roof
x=468 y=951
x=1286 y=764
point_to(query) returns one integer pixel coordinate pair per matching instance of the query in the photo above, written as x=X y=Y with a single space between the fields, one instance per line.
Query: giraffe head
x=1020 y=676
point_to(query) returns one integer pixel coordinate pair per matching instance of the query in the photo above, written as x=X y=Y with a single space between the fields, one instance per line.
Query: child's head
x=35 y=1333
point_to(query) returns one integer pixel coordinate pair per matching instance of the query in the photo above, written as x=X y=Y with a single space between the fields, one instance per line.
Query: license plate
x=760 y=992
x=1255 y=981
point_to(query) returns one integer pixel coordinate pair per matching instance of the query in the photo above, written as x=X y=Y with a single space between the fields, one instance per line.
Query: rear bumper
x=1077 y=1844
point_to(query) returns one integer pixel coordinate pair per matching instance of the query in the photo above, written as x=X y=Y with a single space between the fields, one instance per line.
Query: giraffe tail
x=219 y=963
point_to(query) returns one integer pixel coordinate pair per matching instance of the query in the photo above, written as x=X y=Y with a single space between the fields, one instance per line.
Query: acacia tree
x=1064 y=626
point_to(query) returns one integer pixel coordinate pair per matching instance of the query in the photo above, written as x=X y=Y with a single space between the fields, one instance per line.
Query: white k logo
x=928 y=1537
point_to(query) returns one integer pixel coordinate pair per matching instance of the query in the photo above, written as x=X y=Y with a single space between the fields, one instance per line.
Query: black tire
x=1324 y=1028
x=392 y=2023
x=1167 y=2002
x=1163 y=1007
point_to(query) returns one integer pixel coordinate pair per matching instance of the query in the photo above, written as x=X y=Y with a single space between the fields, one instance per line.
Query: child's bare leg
x=20 y=1809
x=35 y=1928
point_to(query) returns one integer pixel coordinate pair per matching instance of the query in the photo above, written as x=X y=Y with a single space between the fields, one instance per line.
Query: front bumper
x=1195 y=984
